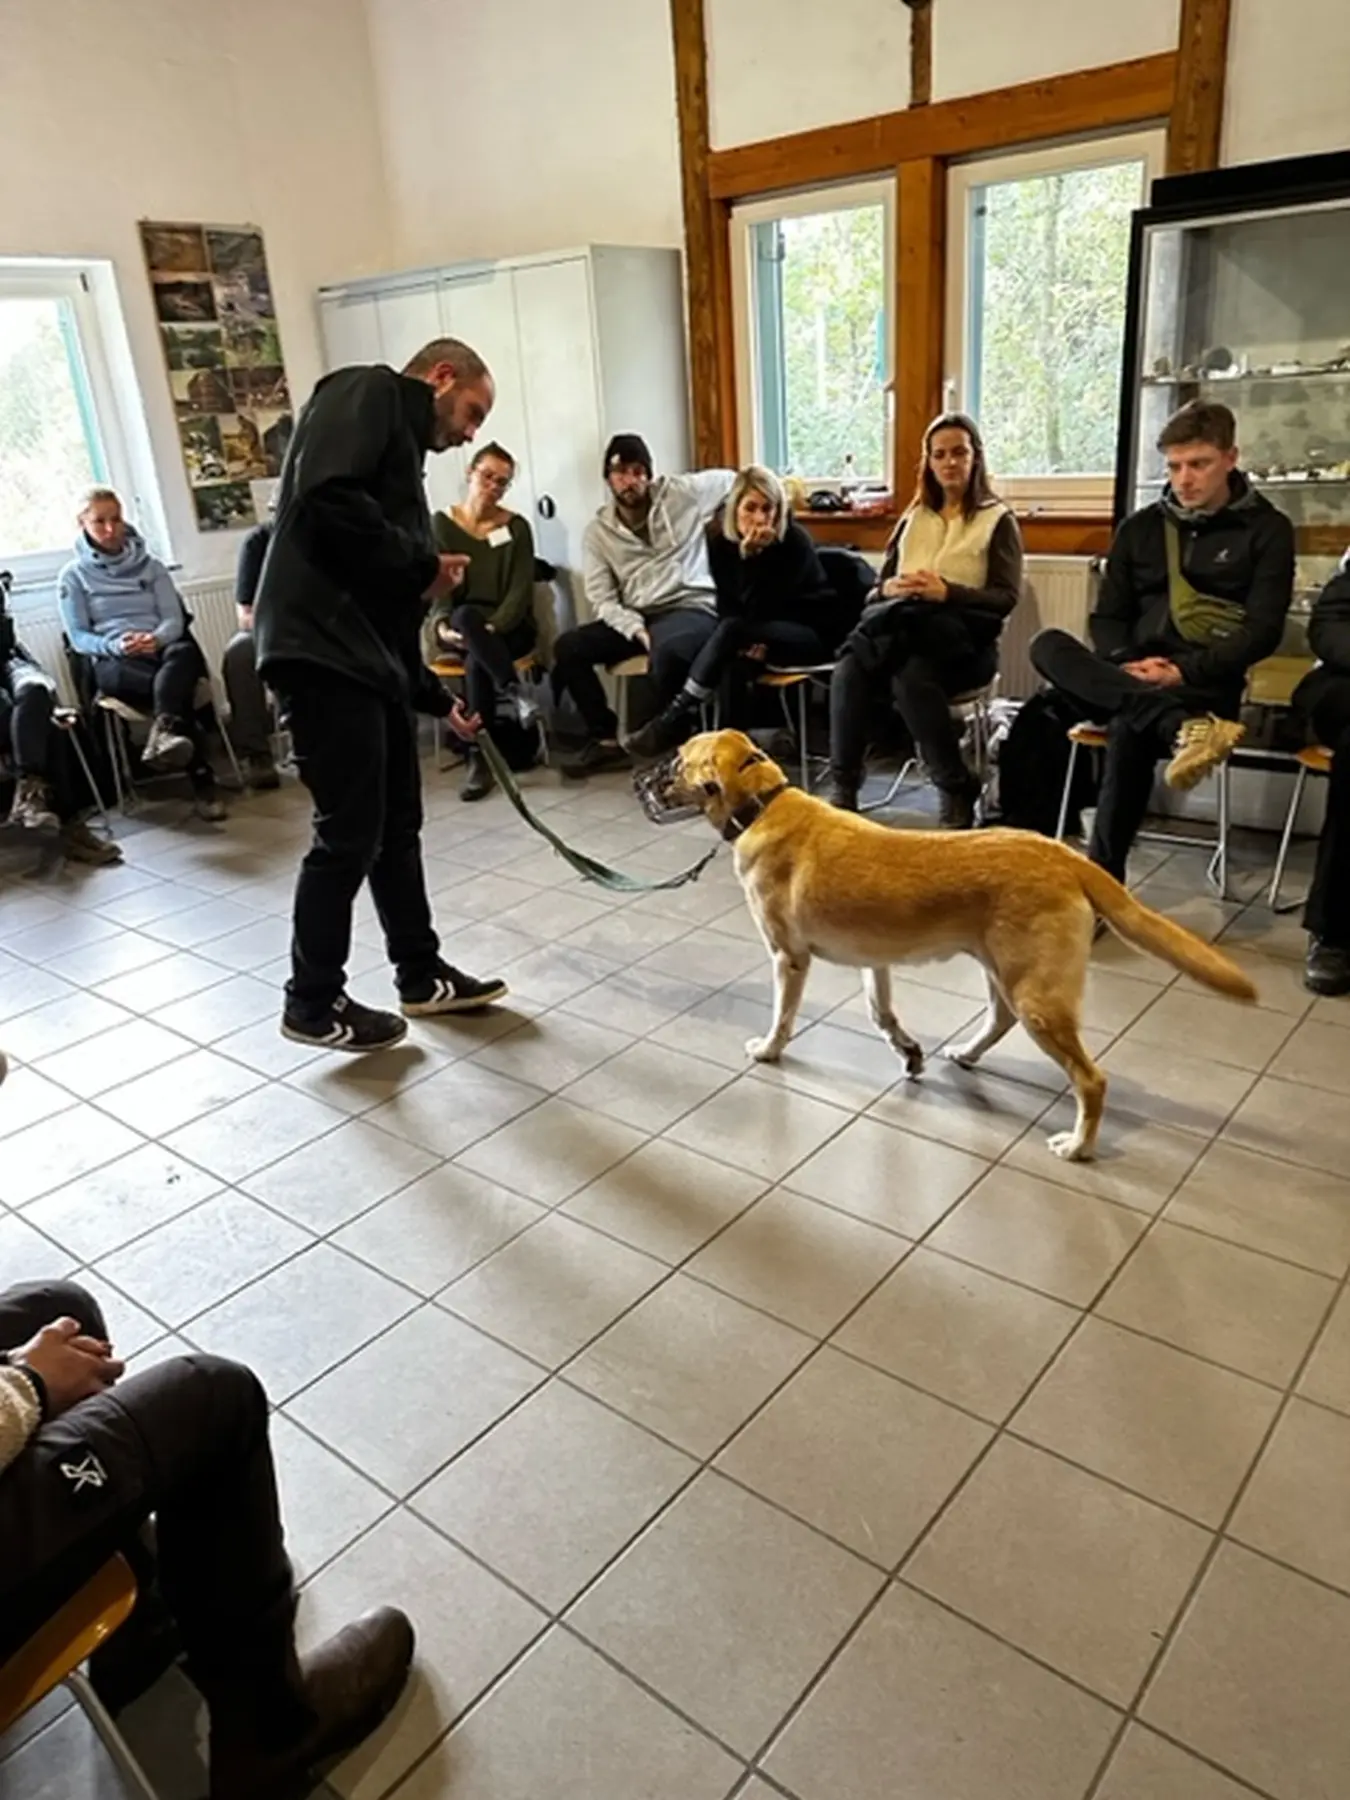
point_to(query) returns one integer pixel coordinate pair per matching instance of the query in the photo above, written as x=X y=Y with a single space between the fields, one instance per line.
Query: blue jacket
x=103 y=597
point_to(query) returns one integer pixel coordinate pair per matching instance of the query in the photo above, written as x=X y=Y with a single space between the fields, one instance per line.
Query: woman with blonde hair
x=773 y=604
x=951 y=575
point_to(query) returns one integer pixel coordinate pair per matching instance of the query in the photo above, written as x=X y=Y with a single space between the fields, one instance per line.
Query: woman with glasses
x=488 y=622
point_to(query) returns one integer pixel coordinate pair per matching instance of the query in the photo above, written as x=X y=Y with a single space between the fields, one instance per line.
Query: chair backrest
x=852 y=577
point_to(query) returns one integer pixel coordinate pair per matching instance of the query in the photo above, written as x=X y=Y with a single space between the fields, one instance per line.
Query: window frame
x=1046 y=495
x=54 y=278
x=803 y=203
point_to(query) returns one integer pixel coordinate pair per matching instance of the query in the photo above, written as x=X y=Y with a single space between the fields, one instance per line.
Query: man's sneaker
x=594 y=756
x=346 y=1026
x=1327 y=970
x=80 y=844
x=449 y=990
x=260 y=772
x=1202 y=744
x=33 y=808
x=166 y=747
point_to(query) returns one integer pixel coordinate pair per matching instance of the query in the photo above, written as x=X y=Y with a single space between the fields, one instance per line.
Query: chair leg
x=1217 y=872
x=94 y=789
x=1287 y=838
x=112 y=739
x=229 y=751
x=802 y=686
x=1063 y=819
x=134 y=1777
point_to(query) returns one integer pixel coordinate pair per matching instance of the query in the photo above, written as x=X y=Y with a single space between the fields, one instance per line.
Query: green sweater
x=500 y=577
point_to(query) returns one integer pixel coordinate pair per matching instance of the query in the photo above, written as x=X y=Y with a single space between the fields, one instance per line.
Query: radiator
x=211 y=604
x=1057 y=591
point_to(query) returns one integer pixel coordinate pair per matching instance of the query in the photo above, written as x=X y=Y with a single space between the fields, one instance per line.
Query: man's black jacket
x=1329 y=625
x=1243 y=552
x=352 y=552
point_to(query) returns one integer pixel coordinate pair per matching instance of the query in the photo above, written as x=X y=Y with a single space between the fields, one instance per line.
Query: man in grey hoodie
x=648 y=584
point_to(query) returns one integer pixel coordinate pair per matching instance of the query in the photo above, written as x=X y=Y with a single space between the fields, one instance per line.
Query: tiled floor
x=727 y=1430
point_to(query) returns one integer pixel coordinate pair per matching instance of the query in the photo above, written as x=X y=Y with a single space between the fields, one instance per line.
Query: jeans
x=789 y=645
x=356 y=752
x=1324 y=696
x=250 y=714
x=26 y=723
x=1142 y=722
x=187 y=1441
x=677 y=637
x=490 y=658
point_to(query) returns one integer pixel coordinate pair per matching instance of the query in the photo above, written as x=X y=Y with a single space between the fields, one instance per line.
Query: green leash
x=586 y=866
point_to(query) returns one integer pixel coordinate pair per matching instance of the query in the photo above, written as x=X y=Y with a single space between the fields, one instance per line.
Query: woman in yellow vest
x=951 y=576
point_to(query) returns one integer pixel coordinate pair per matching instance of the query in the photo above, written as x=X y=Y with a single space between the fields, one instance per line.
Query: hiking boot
x=478 y=781
x=1201 y=745
x=347 y=1025
x=260 y=772
x=350 y=1684
x=34 y=807
x=448 y=990
x=595 y=755
x=666 y=731
x=841 y=790
x=1327 y=969
x=80 y=844
x=166 y=747
x=956 y=806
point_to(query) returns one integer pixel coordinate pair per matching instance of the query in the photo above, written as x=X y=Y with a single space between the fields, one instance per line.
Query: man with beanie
x=349 y=575
x=648 y=584
x=1196 y=589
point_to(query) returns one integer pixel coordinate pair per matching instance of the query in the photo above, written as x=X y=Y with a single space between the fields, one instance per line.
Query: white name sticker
x=502 y=535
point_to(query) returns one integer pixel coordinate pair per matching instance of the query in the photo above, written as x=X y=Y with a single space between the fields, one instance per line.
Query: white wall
x=236 y=111
x=778 y=66
x=526 y=125
x=1288 y=91
x=983 y=44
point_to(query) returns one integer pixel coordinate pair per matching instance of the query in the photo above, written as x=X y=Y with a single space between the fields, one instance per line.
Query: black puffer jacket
x=352 y=552
x=1243 y=552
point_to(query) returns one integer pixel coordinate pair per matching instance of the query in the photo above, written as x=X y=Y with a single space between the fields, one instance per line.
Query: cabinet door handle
x=547 y=509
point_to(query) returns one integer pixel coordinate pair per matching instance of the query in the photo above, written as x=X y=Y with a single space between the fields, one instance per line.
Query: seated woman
x=489 y=620
x=952 y=574
x=120 y=608
x=773 y=604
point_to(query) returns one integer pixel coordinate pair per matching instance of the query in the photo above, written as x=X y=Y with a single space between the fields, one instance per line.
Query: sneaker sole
x=426 y=1009
x=297 y=1036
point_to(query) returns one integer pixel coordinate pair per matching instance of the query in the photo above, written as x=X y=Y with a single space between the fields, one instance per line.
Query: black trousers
x=677 y=637
x=187 y=1441
x=164 y=685
x=1142 y=722
x=490 y=660
x=356 y=752
x=40 y=749
x=928 y=658
x=1324 y=699
x=789 y=645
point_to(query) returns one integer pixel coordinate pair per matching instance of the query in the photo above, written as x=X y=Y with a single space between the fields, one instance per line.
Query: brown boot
x=350 y=1684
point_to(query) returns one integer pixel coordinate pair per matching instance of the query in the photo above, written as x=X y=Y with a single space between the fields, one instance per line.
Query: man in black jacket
x=1323 y=698
x=1196 y=589
x=350 y=573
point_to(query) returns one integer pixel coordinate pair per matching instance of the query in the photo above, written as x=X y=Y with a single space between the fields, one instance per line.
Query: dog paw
x=913 y=1063
x=1066 y=1145
x=959 y=1054
x=762 y=1049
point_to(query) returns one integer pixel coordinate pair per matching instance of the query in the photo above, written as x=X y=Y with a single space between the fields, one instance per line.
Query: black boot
x=669 y=728
x=478 y=782
x=841 y=789
x=1327 y=969
x=956 y=805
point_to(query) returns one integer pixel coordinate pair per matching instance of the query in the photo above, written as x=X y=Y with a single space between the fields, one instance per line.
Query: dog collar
x=748 y=811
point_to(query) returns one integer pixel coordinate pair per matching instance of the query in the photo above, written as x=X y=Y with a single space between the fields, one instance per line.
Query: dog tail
x=1148 y=930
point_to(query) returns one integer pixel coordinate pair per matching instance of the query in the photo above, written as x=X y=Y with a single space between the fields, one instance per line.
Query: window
x=1037 y=284
x=61 y=428
x=814 y=279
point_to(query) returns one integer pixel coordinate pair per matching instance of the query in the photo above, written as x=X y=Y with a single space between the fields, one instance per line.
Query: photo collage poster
x=217 y=318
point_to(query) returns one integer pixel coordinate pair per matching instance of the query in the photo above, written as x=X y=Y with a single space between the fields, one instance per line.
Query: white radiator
x=211 y=604
x=1057 y=590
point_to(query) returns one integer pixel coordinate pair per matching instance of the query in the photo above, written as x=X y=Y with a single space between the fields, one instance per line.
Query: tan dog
x=825 y=883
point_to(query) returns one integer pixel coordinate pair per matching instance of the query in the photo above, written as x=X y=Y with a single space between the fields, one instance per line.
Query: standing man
x=1196 y=589
x=350 y=573
x=648 y=583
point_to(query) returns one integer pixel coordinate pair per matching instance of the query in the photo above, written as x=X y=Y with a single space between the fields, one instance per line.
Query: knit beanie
x=627 y=447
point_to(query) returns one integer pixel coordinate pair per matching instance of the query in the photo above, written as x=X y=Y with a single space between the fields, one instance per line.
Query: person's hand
x=893 y=587
x=643 y=637
x=448 y=577
x=1156 y=671
x=923 y=584
x=139 y=643
x=758 y=538
x=756 y=653
x=465 y=725
x=73 y=1367
x=448 y=638
x=245 y=617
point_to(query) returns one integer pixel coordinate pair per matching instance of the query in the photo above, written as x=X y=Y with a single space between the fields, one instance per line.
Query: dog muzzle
x=653 y=787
